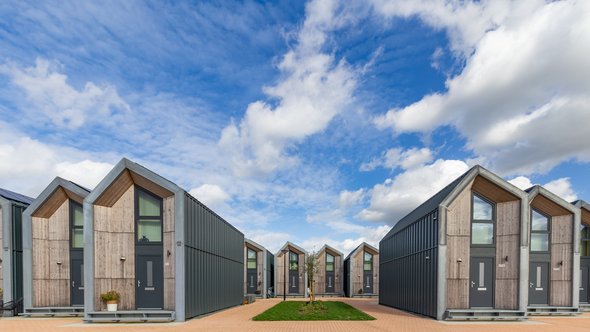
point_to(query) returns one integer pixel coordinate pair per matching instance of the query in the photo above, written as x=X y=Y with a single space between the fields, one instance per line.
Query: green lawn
x=319 y=310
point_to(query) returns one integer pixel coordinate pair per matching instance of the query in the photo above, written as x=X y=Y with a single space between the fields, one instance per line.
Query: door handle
x=531 y=285
x=138 y=283
x=472 y=284
x=73 y=284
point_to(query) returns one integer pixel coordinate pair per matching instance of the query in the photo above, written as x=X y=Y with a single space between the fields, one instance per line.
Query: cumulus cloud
x=28 y=165
x=272 y=241
x=562 y=187
x=347 y=198
x=394 y=198
x=398 y=157
x=210 y=194
x=315 y=87
x=525 y=76
x=49 y=94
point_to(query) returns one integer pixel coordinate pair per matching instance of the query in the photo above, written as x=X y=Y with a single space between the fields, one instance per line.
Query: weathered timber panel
x=561 y=262
x=169 y=247
x=507 y=246
x=507 y=255
x=508 y=218
x=562 y=229
x=320 y=277
x=560 y=293
x=506 y=294
x=457 y=293
x=1 y=251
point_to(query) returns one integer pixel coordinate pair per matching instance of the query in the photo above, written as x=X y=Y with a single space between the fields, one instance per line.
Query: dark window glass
x=149 y=223
x=584 y=241
x=482 y=223
x=482 y=210
x=293 y=261
x=540 y=239
x=368 y=262
x=77 y=216
x=251 y=259
x=329 y=262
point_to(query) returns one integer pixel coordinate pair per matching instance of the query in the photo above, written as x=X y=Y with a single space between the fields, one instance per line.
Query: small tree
x=311 y=268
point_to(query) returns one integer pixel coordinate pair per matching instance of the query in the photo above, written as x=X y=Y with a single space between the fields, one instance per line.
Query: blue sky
x=315 y=122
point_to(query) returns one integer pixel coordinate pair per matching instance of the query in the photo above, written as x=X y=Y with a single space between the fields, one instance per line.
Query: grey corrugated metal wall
x=408 y=267
x=214 y=258
x=347 y=277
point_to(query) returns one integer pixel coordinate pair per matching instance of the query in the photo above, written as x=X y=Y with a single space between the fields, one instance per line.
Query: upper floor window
x=251 y=259
x=539 y=232
x=77 y=228
x=585 y=241
x=293 y=261
x=149 y=217
x=482 y=224
x=329 y=262
x=368 y=262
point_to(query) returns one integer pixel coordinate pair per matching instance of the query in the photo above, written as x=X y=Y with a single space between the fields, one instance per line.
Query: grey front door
x=584 y=269
x=538 y=285
x=77 y=278
x=481 y=283
x=252 y=280
x=329 y=281
x=293 y=282
x=368 y=282
x=149 y=278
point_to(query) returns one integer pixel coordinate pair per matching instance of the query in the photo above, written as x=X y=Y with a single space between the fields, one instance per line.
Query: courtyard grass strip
x=319 y=310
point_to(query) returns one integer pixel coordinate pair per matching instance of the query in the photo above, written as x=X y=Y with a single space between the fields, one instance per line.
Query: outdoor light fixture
x=122 y=258
x=58 y=262
x=168 y=253
x=459 y=260
x=560 y=263
x=506 y=259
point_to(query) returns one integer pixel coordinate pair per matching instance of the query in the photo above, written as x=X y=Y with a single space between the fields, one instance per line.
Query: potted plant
x=111 y=298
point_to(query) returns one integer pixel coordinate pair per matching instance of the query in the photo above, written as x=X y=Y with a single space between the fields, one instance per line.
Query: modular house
x=554 y=253
x=12 y=206
x=361 y=272
x=53 y=251
x=258 y=269
x=329 y=279
x=290 y=271
x=584 y=278
x=460 y=255
x=168 y=255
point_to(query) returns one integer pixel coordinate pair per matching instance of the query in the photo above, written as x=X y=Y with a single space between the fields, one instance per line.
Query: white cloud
x=272 y=241
x=28 y=165
x=350 y=198
x=370 y=235
x=396 y=197
x=315 y=87
x=562 y=187
x=210 y=194
x=50 y=94
x=398 y=157
x=521 y=100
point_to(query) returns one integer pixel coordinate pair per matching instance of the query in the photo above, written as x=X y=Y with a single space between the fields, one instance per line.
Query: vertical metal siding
x=408 y=267
x=214 y=261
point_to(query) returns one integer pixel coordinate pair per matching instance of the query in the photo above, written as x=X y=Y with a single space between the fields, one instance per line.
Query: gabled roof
x=332 y=249
x=359 y=247
x=290 y=244
x=12 y=196
x=48 y=192
x=446 y=195
x=536 y=190
x=581 y=204
x=254 y=244
x=141 y=171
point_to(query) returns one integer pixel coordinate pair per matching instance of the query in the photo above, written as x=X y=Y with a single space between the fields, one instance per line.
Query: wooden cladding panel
x=376 y=274
x=1 y=251
x=459 y=215
x=320 y=277
x=562 y=229
x=506 y=294
x=457 y=293
x=169 y=247
x=507 y=246
x=585 y=217
x=492 y=191
x=561 y=262
x=114 y=238
x=548 y=207
x=54 y=202
x=115 y=190
x=302 y=285
x=560 y=293
x=150 y=186
x=51 y=244
x=508 y=218
x=458 y=257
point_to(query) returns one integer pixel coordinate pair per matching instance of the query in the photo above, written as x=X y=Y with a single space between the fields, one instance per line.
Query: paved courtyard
x=239 y=319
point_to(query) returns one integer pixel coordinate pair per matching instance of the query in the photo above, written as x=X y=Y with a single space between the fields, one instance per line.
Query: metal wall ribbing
x=408 y=267
x=214 y=258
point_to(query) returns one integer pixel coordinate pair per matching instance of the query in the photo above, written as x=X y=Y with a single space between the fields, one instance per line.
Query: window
x=482 y=225
x=368 y=262
x=539 y=232
x=329 y=262
x=149 y=217
x=251 y=259
x=77 y=225
x=293 y=261
x=584 y=241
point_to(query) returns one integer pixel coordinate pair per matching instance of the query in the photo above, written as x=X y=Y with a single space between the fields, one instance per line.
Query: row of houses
x=168 y=255
x=266 y=275
x=481 y=248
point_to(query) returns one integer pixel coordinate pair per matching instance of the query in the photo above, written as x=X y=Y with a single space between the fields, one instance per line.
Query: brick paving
x=239 y=319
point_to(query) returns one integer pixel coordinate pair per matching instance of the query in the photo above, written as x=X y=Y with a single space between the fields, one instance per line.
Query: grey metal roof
x=50 y=189
x=540 y=190
x=581 y=204
x=426 y=207
x=364 y=244
x=11 y=195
